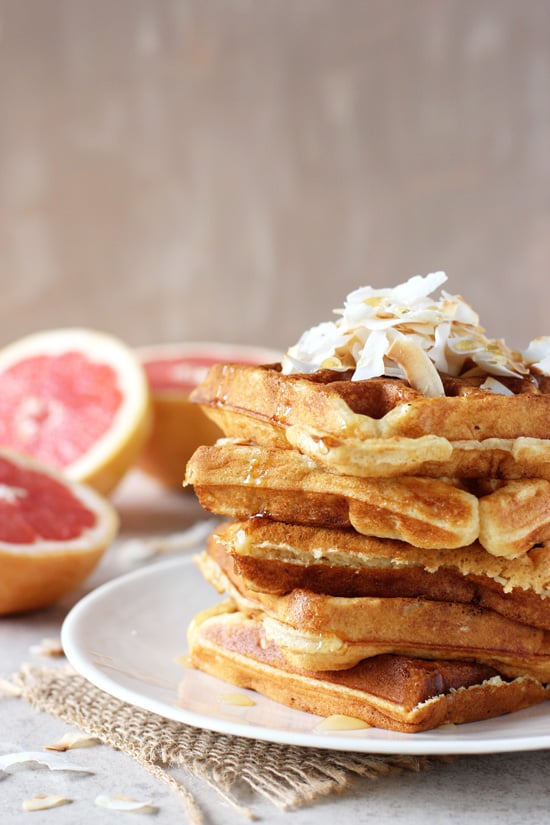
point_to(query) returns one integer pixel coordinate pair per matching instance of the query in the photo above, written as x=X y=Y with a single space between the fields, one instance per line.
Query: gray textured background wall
x=230 y=169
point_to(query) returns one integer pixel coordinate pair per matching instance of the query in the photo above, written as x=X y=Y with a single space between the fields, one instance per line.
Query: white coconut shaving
x=71 y=741
x=52 y=761
x=446 y=329
x=537 y=354
x=44 y=802
x=121 y=802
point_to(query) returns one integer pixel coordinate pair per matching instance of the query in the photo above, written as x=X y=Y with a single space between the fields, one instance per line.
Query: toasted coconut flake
x=121 y=802
x=492 y=385
x=9 y=689
x=51 y=761
x=370 y=360
x=70 y=741
x=420 y=371
x=446 y=329
x=44 y=801
x=48 y=647
x=537 y=354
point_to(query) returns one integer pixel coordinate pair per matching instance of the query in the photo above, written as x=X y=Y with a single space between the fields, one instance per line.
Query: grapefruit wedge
x=77 y=400
x=179 y=426
x=53 y=532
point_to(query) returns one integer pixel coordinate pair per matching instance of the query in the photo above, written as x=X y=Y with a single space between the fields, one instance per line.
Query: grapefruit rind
x=179 y=426
x=38 y=574
x=111 y=456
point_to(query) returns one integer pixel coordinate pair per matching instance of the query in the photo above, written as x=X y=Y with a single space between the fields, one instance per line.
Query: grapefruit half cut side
x=77 y=400
x=53 y=532
x=179 y=426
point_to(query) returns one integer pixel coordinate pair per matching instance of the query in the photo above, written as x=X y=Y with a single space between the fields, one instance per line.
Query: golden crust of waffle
x=515 y=517
x=382 y=426
x=394 y=692
x=378 y=407
x=358 y=628
x=426 y=455
x=239 y=480
x=276 y=558
x=320 y=632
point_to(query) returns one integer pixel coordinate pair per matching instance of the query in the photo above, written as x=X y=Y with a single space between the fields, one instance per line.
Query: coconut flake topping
x=402 y=332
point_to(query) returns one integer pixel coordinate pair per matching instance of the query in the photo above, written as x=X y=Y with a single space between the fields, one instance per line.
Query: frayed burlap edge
x=286 y=775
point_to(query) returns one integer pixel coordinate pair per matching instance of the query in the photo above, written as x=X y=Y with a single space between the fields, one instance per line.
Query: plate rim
x=399 y=743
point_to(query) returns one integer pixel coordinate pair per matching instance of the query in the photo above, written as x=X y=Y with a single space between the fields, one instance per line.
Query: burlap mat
x=288 y=776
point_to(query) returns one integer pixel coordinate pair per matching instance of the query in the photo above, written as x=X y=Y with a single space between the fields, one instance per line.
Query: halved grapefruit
x=53 y=532
x=179 y=426
x=77 y=400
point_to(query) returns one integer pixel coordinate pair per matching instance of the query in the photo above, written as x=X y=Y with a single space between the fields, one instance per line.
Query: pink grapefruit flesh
x=53 y=532
x=179 y=426
x=45 y=400
x=77 y=400
x=30 y=507
x=184 y=371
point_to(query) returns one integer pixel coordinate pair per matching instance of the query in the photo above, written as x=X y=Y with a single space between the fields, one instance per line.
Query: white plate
x=126 y=637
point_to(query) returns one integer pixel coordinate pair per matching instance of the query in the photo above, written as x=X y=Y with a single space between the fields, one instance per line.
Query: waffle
x=382 y=426
x=395 y=692
x=238 y=480
x=320 y=632
x=276 y=558
x=438 y=630
x=392 y=478
x=514 y=517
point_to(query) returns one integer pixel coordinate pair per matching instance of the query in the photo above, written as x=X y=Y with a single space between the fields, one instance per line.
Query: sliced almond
x=44 y=801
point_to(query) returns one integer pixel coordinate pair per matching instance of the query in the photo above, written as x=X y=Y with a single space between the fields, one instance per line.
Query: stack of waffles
x=386 y=553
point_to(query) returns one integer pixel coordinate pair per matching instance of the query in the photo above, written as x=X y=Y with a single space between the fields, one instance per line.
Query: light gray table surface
x=497 y=788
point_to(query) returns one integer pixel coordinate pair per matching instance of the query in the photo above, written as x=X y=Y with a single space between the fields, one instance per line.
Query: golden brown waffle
x=394 y=692
x=239 y=480
x=428 y=456
x=395 y=527
x=438 y=630
x=319 y=632
x=276 y=558
x=378 y=407
x=514 y=517
x=382 y=426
